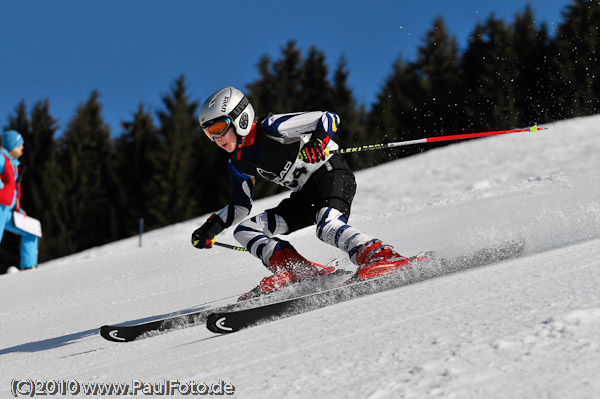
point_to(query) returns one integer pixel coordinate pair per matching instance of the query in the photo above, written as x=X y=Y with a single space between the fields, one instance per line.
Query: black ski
x=420 y=269
x=127 y=333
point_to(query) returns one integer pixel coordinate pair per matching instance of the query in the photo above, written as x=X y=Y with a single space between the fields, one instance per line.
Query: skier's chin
x=228 y=147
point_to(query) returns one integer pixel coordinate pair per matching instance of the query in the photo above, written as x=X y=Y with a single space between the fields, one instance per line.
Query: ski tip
x=110 y=333
x=217 y=323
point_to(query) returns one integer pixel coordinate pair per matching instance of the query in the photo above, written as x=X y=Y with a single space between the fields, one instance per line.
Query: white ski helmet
x=228 y=103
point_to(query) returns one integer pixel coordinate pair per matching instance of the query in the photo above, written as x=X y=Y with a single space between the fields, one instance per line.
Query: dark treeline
x=89 y=189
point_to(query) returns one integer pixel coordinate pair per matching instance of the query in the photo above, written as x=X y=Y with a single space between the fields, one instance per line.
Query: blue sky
x=132 y=51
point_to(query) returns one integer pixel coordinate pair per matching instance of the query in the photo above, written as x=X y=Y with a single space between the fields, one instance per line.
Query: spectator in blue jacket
x=10 y=196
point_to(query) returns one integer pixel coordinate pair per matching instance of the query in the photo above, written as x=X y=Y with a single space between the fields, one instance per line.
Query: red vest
x=8 y=191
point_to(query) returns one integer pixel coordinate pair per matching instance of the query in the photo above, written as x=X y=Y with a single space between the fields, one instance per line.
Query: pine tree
x=419 y=98
x=532 y=70
x=316 y=93
x=578 y=47
x=262 y=92
x=92 y=192
x=279 y=86
x=288 y=73
x=395 y=115
x=488 y=76
x=438 y=67
x=138 y=152
x=42 y=182
x=180 y=133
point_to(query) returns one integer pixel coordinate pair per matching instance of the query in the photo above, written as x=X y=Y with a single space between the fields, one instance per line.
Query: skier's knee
x=267 y=223
x=329 y=221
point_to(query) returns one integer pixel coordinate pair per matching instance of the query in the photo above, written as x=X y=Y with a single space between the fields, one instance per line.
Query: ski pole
x=532 y=129
x=220 y=244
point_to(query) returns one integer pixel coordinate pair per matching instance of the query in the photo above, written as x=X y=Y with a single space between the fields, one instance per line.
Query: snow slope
x=523 y=328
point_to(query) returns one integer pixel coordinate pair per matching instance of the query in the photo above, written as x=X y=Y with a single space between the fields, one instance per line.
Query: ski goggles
x=217 y=127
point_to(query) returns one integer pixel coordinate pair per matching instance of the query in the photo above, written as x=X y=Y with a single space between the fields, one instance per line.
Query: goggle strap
x=238 y=152
x=239 y=108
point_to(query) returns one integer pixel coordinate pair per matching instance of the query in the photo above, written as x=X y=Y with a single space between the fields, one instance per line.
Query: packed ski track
x=521 y=328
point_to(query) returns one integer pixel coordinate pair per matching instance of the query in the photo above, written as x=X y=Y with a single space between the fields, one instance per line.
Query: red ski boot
x=268 y=285
x=375 y=259
x=288 y=267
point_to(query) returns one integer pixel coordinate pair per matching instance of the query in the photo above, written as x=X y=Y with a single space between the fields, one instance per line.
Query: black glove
x=203 y=236
x=316 y=149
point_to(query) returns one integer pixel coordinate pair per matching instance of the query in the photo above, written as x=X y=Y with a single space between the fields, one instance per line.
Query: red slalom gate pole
x=532 y=129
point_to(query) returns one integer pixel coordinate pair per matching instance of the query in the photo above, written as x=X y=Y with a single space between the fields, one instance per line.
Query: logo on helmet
x=244 y=121
x=225 y=102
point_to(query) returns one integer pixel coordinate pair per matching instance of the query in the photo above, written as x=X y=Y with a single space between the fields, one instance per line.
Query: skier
x=10 y=196
x=291 y=150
